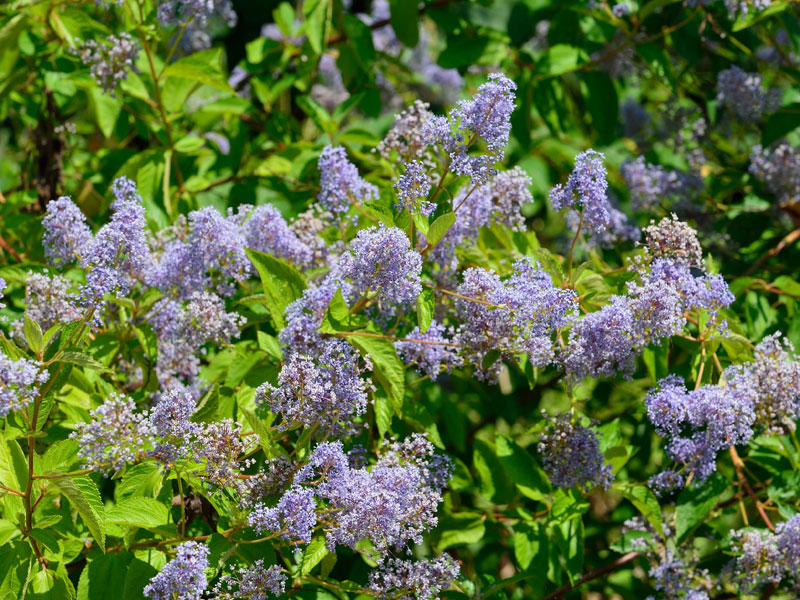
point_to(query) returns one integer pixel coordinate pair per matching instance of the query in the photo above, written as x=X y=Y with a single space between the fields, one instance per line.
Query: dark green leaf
x=522 y=469
x=405 y=21
x=695 y=502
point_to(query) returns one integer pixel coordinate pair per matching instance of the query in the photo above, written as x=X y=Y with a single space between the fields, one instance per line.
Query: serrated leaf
x=283 y=284
x=387 y=368
x=61 y=456
x=313 y=553
x=148 y=340
x=143 y=479
x=84 y=496
x=102 y=574
x=80 y=359
x=138 y=511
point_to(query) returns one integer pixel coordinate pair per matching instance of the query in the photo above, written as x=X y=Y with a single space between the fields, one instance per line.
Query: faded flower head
x=674 y=239
x=110 y=60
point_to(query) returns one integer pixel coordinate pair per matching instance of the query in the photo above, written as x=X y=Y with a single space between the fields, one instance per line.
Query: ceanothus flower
x=383 y=262
x=620 y=229
x=699 y=423
x=767 y=557
x=48 y=301
x=516 y=316
x=585 y=191
x=66 y=233
x=119 y=253
x=778 y=167
x=340 y=183
x=434 y=351
x=486 y=116
x=110 y=60
x=251 y=582
x=326 y=390
x=571 y=455
x=509 y=192
x=294 y=517
x=674 y=239
x=217 y=246
x=20 y=381
x=774 y=378
x=175 y=432
x=743 y=94
x=398 y=579
x=182 y=578
x=266 y=230
x=116 y=435
x=407 y=136
x=650 y=185
x=412 y=189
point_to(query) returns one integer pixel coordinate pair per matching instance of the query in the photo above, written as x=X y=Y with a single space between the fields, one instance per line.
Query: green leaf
x=316 y=14
x=138 y=511
x=459 y=529
x=85 y=498
x=208 y=409
x=313 y=553
x=337 y=318
x=405 y=21
x=560 y=59
x=646 y=503
x=138 y=576
x=530 y=546
x=386 y=366
x=781 y=123
x=143 y=479
x=384 y=411
x=603 y=104
x=490 y=358
x=439 y=228
x=80 y=359
x=425 y=306
x=321 y=117
x=283 y=284
x=33 y=334
x=203 y=67
x=522 y=468
x=61 y=456
x=15 y=562
x=103 y=574
x=694 y=504
x=148 y=341
x=495 y=484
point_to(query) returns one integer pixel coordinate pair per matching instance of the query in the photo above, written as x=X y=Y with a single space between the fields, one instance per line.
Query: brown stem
x=737 y=462
x=572 y=247
x=609 y=568
x=790 y=238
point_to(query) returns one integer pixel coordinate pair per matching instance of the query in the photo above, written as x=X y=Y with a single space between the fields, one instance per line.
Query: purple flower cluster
x=119 y=253
x=172 y=427
x=252 y=582
x=699 y=423
x=115 y=436
x=778 y=168
x=110 y=60
x=182 y=578
x=515 y=316
x=608 y=340
x=619 y=230
x=407 y=136
x=767 y=558
x=267 y=231
x=48 y=301
x=340 y=183
x=743 y=95
x=571 y=455
x=432 y=351
x=398 y=579
x=675 y=240
x=487 y=116
x=412 y=189
x=216 y=246
x=326 y=390
x=585 y=191
x=66 y=233
x=390 y=505
x=383 y=263
x=650 y=185
x=20 y=381
x=774 y=378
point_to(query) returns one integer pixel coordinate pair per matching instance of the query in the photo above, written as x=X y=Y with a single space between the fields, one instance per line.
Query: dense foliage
x=346 y=299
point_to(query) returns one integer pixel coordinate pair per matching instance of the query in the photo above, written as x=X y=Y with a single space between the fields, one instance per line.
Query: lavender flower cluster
x=778 y=168
x=110 y=60
x=767 y=557
x=743 y=95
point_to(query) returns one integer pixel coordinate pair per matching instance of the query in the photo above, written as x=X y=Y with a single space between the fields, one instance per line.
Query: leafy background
x=191 y=137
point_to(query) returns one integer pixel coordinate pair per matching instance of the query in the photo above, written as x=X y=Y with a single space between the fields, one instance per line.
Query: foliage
x=464 y=299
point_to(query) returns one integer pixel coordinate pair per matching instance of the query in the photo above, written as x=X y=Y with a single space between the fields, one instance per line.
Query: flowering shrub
x=385 y=300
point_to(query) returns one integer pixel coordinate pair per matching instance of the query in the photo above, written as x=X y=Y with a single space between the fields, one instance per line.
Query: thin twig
x=609 y=568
